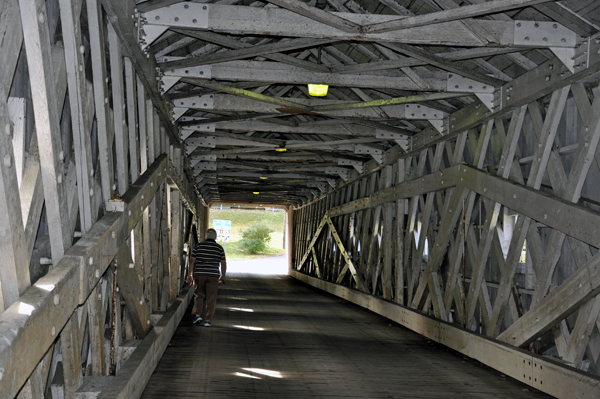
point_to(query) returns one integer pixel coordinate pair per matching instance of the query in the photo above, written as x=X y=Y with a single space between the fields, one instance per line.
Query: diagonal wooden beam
x=41 y=72
x=246 y=52
x=349 y=264
x=386 y=101
x=313 y=240
x=319 y=15
x=580 y=287
x=225 y=41
x=464 y=12
x=441 y=63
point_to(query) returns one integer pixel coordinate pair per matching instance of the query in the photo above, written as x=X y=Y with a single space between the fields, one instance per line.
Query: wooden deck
x=274 y=337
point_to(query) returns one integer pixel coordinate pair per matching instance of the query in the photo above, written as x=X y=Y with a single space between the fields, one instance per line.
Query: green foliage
x=256 y=238
x=242 y=220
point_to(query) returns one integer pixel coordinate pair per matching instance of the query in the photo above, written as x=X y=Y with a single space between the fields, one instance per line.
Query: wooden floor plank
x=274 y=337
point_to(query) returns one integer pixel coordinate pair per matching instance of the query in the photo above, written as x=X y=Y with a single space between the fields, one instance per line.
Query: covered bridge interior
x=448 y=180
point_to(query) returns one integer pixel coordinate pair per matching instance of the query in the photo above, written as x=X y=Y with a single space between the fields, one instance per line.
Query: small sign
x=222 y=227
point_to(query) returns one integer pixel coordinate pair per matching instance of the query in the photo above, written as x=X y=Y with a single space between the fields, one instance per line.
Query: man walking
x=205 y=275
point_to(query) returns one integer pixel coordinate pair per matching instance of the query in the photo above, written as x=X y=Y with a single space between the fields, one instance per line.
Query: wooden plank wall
x=94 y=205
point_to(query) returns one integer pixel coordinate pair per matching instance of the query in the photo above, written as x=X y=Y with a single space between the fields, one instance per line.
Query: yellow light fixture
x=255 y=192
x=264 y=177
x=281 y=149
x=317 y=90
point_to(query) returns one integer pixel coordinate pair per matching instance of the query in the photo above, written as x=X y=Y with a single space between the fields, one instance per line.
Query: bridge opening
x=253 y=235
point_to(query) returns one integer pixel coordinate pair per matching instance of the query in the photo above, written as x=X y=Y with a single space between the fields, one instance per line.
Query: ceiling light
x=264 y=177
x=255 y=192
x=317 y=90
x=281 y=149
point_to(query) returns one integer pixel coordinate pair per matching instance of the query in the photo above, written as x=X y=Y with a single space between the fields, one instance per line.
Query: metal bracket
x=359 y=166
x=178 y=111
x=202 y=71
x=204 y=174
x=332 y=183
x=437 y=124
x=181 y=15
x=167 y=82
x=457 y=83
x=186 y=131
x=377 y=155
x=196 y=158
x=206 y=141
x=149 y=33
x=342 y=172
x=418 y=111
x=543 y=34
x=196 y=102
x=190 y=148
x=171 y=76
x=576 y=57
x=322 y=186
x=400 y=139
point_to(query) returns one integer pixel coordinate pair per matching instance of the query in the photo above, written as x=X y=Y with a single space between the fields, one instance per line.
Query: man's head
x=211 y=234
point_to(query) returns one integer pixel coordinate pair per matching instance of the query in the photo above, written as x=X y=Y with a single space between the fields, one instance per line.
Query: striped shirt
x=208 y=255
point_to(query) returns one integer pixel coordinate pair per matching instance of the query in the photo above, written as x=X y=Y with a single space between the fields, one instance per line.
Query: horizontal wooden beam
x=46 y=306
x=564 y=216
x=542 y=373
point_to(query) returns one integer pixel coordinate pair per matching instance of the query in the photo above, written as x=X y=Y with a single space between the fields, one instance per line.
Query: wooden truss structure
x=448 y=180
x=95 y=205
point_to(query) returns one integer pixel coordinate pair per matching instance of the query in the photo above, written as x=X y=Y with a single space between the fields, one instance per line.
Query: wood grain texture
x=311 y=344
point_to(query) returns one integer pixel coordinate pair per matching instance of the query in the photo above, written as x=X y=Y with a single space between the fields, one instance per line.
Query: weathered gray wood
x=131 y=289
x=318 y=15
x=39 y=59
x=355 y=275
x=577 y=289
x=119 y=13
x=132 y=123
x=175 y=242
x=16 y=113
x=14 y=264
x=71 y=339
x=116 y=77
x=464 y=12
x=245 y=52
x=97 y=47
x=81 y=115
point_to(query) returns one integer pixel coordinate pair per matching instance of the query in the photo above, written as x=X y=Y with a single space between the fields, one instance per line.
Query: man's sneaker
x=207 y=323
x=198 y=319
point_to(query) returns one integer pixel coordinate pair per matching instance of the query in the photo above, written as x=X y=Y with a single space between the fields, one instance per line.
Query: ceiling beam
x=246 y=52
x=254 y=21
x=229 y=42
x=279 y=73
x=319 y=15
x=474 y=10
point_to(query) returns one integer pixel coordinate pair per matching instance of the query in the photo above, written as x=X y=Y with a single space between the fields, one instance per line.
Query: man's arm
x=223 y=271
x=190 y=277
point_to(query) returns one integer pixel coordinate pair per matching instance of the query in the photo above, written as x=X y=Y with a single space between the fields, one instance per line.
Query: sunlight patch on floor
x=248 y=376
x=268 y=373
x=250 y=328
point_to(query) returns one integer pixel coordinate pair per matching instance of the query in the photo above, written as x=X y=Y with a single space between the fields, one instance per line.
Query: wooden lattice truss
x=443 y=230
